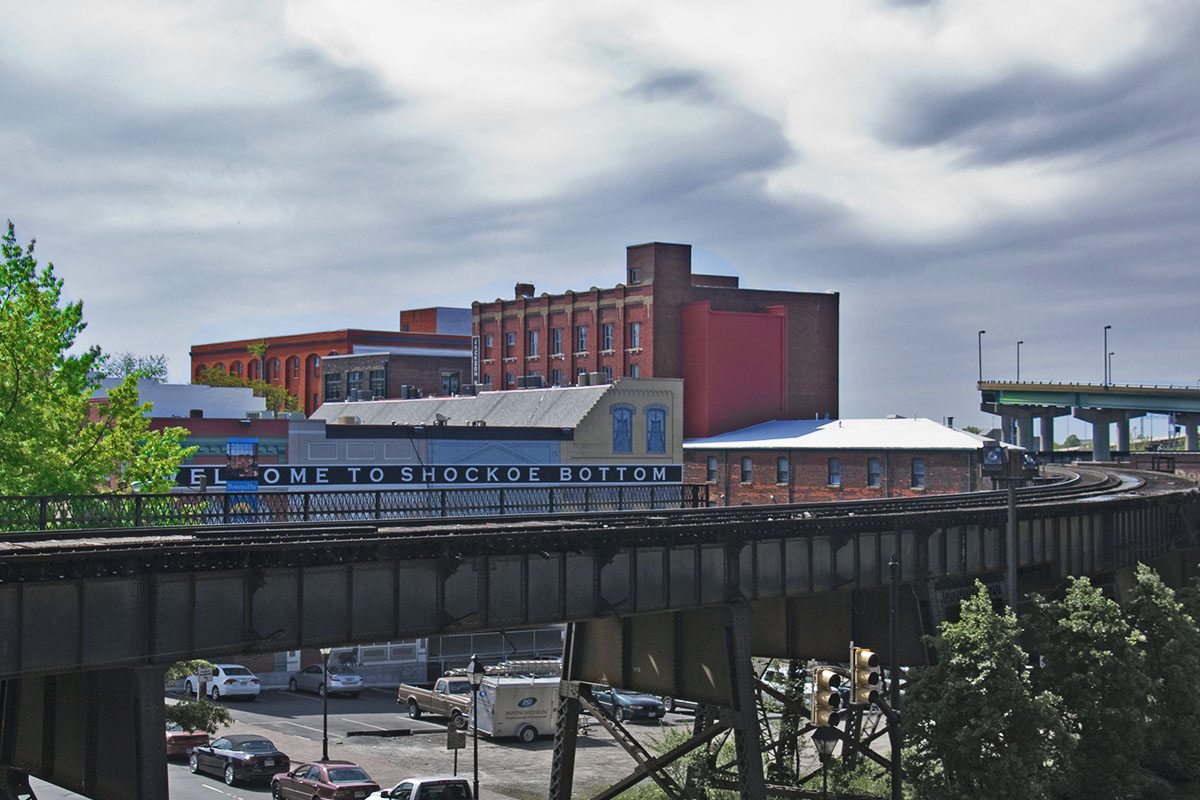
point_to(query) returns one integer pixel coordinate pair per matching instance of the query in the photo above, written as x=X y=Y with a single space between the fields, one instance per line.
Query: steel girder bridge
x=672 y=602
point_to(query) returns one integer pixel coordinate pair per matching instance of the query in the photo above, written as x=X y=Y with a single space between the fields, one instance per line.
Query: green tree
x=1090 y=658
x=973 y=429
x=1171 y=643
x=973 y=725
x=53 y=438
x=277 y=398
x=194 y=715
x=121 y=365
x=1071 y=441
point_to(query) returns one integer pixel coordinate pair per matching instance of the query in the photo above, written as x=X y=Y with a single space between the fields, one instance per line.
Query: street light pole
x=1019 y=361
x=1110 y=355
x=980 y=339
x=475 y=676
x=825 y=739
x=325 y=651
x=1106 y=327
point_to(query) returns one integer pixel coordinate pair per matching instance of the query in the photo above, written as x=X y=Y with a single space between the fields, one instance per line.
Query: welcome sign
x=306 y=475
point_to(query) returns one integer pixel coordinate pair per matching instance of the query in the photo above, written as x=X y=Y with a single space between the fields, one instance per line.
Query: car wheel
x=276 y=791
x=229 y=774
x=626 y=715
x=458 y=720
x=214 y=693
x=292 y=685
x=414 y=710
x=187 y=688
x=193 y=764
x=528 y=734
x=669 y=703
x=321 y=690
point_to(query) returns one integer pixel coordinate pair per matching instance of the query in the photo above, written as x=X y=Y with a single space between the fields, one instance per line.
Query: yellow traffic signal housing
x=865 y=678
x=825 y=700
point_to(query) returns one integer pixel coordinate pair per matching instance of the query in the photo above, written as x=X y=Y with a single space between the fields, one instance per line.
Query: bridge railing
x=218 y=508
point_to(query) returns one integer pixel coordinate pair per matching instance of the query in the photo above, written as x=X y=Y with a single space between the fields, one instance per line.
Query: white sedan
x=228 y=680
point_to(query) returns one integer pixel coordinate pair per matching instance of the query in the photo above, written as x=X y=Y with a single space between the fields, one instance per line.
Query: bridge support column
x=97 y=733
x=1188 y=422
x=1024 y=424
x=1047 y=432
x=746 y=742
x=1100 y=420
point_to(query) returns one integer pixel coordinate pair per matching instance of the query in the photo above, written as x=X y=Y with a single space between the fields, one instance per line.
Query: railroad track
x=41 y=555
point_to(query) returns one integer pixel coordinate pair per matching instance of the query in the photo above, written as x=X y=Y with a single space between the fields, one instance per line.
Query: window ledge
x=557 y=356
x=633 y=349
x=510 y=359
x=534 y=357
x=607 y=352
x=581 y=353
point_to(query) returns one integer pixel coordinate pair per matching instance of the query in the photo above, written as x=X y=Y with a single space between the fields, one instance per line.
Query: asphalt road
x=294 y=723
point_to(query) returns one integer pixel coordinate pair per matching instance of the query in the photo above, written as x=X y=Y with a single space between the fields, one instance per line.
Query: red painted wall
x=734 y=368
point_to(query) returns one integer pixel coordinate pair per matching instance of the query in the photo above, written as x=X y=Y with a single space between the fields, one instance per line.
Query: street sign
x=455 y=739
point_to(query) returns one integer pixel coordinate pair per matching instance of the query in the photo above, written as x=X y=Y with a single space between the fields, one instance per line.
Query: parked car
x=239 y=757
x=342 y=780
x=624 y=704
x=342 y=680
x=228 y=680
x=675 y=704
x=181 y=742
x=438 y=788
x=449 y=697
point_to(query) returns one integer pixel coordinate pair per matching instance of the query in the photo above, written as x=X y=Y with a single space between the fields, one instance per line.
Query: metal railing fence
x=217 y=508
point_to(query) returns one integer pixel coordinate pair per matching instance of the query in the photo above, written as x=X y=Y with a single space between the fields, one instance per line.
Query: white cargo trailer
x=516 y=706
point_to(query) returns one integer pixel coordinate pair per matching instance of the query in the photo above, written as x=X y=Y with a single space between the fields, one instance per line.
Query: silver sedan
x=342 y=680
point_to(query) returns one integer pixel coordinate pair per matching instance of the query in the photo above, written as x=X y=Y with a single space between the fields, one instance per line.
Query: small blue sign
x=527 y=702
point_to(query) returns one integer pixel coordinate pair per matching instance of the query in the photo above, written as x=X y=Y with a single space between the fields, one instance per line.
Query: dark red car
x=337 y=780
x=181 y=742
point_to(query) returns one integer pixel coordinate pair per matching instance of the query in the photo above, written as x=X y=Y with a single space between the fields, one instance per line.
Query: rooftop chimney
x=524 y=290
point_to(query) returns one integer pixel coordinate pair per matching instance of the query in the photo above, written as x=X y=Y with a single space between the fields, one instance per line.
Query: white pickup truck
x=438 y=788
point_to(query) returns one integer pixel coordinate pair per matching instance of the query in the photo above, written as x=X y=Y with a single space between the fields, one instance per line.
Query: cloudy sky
x=208 y=171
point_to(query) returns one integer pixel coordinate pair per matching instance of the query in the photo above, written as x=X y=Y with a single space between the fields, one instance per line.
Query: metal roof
x=842 y=434
x=554 y=407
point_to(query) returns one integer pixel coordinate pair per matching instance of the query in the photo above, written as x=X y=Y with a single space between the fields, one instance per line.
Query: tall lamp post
x=475 y=675
x=1106 y=327
x=325 y=651
x=1110 y=355
x=980 y=339
x=1019 y=361
x=825 y=738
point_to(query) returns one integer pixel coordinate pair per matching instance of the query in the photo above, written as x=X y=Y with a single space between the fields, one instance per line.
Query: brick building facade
x=812 y=460
x=294 y=361
x=666 y=322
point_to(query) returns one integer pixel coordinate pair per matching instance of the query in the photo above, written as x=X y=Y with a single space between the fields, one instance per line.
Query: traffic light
x=865 y=679
x=825 y=697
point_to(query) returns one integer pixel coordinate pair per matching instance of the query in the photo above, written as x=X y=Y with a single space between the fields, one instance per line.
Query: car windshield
x=459 y=687
x=636 y=696
x=236 y=671
x=256 y=746
x=347 y=775
x=174 y=726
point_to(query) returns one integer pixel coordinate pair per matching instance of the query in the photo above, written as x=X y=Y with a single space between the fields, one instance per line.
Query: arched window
x=294 y=366
x=199 y=370
x=252 y=370
x=622 y=428
x=656 y=429
x=235 y=368
x=274 y=367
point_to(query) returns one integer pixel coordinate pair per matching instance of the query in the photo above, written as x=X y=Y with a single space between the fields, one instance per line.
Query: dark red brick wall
x=945 y=472
x=424 y=372
x=304 y=380
x=664 y=287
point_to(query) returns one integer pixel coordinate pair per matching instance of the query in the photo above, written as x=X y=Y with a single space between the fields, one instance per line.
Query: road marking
x=369 y=725
x=298 y=725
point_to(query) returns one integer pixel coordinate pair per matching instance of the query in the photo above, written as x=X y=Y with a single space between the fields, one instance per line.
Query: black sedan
x=624 y=704
x=239 y=757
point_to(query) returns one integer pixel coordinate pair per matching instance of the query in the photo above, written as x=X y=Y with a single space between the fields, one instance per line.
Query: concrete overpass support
x=99 y=733
x=1101 y=420
x=1188 y=422
x=1047 y=431
x=1024 y=425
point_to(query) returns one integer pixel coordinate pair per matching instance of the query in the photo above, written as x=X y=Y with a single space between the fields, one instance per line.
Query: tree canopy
x=54 y=439
x=120 y=366
x=277 y=397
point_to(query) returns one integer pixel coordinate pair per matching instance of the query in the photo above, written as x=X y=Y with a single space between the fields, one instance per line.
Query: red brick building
x=666 y=322
x=796 y=461
x=423 y=345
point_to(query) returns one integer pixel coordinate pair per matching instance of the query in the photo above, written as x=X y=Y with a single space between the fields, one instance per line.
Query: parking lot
x=507 y=768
